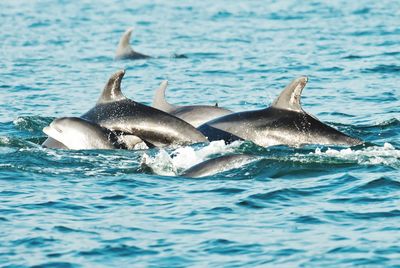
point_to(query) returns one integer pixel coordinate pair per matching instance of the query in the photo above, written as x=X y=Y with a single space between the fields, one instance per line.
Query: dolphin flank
x=217 y=165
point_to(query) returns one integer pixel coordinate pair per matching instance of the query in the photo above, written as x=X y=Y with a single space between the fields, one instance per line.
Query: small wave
x=379 y=183
x=54 y=205
x=179 y=56
x=362 y=11
x=120 y=251
x=223 y=191
x=308 y=220
x=374 y=155
x=354 y=57
x=228 y=247
x=393 y=122
x=56 y=264
x=368 y=215
x=379 y=187
x=281 y=195
x=34 y=241
x=12 y=143
x=32 y=123
x=383 y=68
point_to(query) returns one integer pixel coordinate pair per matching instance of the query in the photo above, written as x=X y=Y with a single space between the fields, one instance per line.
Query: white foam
x=374 y=155
x=5 y=140
x=19 y=121
x=184 y=157
x=161 y=164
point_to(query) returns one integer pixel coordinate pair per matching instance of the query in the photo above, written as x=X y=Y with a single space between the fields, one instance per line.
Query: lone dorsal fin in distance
x=124 y=48
x=159 y=101
x=290 y=97
x=112 y=90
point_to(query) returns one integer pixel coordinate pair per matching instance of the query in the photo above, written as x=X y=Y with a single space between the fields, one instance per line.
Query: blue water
x=295 y=207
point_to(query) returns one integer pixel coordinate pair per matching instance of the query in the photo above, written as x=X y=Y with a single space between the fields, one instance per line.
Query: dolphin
x=217 y=165
x=195 y=115
x=157 y=128
x=283 y=123
x=135 y=122
x=78 y=134
x=124 y=49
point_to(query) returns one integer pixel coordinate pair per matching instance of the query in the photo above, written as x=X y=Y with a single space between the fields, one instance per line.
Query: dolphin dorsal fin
x=290 y=97
x=124 y=47
x=112 y=90
x=159 y=100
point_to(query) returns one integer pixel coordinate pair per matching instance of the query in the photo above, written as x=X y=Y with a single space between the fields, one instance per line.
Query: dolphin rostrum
x=124 y=49
x=284 y=123
x=195 y=115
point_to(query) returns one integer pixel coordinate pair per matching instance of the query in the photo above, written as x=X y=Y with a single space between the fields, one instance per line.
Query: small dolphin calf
x=195 y=115
x=217 y=165
x=78 y=134
x=284 y=123
x=124 y=49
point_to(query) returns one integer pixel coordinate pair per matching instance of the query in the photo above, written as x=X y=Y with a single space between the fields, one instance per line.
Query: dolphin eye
x=58 y=130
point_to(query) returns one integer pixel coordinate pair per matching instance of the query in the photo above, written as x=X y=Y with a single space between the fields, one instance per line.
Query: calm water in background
x=309 y=207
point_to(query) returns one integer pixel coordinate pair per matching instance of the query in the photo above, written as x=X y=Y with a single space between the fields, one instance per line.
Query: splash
x=374 y=155
x=183 y=158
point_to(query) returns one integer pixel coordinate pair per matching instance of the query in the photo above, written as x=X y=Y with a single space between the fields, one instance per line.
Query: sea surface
x=314 y=206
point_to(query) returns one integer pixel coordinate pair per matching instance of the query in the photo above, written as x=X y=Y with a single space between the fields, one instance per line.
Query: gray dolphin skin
x=218 y=165
x=119 y=114
x=78 y=134
x=284 y=123
x=195 y=115
x=124 y=49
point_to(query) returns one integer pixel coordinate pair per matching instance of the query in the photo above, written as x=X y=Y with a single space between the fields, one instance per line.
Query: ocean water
x=314 y=206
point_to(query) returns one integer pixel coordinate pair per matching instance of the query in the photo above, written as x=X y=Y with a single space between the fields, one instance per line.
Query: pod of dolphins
x=117 y=122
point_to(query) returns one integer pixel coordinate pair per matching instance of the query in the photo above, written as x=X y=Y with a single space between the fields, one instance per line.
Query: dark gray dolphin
x=78 y=134
x=124 y=49
x=195 y=115
x=217 y=165
x=285 y=122
x=119 y=114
